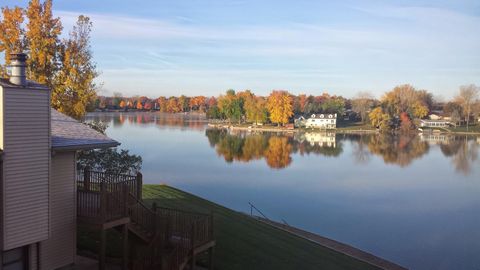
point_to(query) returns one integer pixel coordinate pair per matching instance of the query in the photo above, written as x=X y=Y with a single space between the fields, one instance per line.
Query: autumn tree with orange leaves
x=11 y=34
x=43 y=42
x=66 y=66
x=280 y=107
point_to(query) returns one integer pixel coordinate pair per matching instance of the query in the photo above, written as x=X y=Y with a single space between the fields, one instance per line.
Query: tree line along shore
x=400 y=109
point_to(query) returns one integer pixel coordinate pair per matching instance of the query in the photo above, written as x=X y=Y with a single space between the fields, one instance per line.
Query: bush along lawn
x=245 y=243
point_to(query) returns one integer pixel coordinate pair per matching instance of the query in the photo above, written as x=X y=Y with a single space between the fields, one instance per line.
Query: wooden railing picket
x=86 y=178
x=139 y=185
x=103 y=202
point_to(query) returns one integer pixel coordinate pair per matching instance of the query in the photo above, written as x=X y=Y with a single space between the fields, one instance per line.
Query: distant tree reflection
x=278 y=152
x=360 y=150
x=398 y=149
x=276 y=149
x=463 y=151
x=183 y=121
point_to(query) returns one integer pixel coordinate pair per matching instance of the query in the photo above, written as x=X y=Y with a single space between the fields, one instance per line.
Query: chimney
x=18 y=66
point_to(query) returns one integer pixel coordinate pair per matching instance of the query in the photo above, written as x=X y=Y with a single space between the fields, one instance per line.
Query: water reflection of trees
x=463 y=151
x=275 y=149
x=401 y=150
x=398 y=149
x=184 y=121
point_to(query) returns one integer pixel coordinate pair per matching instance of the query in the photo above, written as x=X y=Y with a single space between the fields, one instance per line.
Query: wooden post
x=86 y=178
x=155 y=219
x=103 y=202
x=125 y=247
x=125 y=199
x=211 y=238
x=194 y=260
x=211 y=226
x=210 y=258
x=103 y=247
x=139 y=185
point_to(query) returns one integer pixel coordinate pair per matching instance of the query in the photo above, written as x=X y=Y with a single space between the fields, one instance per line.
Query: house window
x=15 y=259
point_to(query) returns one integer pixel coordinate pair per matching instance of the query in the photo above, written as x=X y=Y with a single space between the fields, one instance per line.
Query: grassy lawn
x=475 y=129
x=354 y=126
x=244 y=243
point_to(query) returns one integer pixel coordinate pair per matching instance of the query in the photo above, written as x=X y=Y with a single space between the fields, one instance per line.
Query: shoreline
x=338 y=130
x=257 y=234
x=335 y=245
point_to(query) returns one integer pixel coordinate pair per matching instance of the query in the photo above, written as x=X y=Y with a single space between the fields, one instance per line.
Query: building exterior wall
x=424 y=123
x=25 y=126
x=60 y=248
x=324 y=121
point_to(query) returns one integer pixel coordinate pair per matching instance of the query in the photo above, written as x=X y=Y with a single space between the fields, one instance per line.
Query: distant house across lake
x=322 y=121
x=434 y=123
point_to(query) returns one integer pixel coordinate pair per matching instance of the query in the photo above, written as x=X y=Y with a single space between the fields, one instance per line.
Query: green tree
x=230 y=106
x=183 y=103
x=75 y=81
x=334 y=105
x=111 y=160
x=255 y=109
x=214 y=113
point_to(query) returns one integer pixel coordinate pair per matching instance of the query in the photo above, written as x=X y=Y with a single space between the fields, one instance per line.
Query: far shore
x=350 y=128
x=340 y=130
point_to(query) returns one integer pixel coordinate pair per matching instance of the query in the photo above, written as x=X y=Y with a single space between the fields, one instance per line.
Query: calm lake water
x=414 y=200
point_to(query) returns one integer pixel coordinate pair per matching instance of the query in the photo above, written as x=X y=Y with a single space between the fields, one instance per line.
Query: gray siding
x=26 y=163
x=59 y=250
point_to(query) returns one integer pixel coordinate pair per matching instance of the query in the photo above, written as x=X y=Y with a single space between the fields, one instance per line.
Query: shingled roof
x=69 y=134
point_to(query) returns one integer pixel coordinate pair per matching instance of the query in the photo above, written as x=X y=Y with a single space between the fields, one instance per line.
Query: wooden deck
x=172 y=238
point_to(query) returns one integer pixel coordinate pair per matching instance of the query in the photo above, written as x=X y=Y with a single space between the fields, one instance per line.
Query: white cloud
x=415 y=43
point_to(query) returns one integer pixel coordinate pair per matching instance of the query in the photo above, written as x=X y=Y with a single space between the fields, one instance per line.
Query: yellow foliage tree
x=11 y=34
x=405 y=98
x=75 y=87
x=280 y=107
x=42 y=38
x=379 y=119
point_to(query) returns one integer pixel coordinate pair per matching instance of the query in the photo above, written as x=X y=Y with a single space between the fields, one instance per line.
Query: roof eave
x=85 y=147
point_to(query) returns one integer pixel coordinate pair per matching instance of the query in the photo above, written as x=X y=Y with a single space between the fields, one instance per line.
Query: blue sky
x=204 y=47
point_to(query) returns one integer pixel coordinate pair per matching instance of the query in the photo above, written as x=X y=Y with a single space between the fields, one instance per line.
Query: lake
x=414 y=200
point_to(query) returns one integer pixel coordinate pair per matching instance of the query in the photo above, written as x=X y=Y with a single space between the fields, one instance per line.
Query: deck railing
x=103 y=197
x=91 y=180
x=103 y=205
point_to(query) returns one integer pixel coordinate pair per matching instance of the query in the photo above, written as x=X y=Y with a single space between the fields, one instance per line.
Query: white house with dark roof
x=322 y=121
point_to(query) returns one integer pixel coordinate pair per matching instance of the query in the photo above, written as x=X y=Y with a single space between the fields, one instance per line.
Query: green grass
x=475 y=129
x=244 y=243
x=353 y=126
